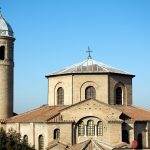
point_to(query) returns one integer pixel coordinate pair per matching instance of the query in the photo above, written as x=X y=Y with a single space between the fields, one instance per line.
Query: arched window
x=90 y=92
x=100 y=128
x=119 y=95
x=140 y=141
x=2 y=53
x=60 y=96
x=25 y=139
x=56 y=134
x=41 y=142
x=81 y=131
x=125 y=136
x=90 y=128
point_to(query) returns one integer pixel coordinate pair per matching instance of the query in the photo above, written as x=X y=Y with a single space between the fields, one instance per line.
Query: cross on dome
x=89 y=51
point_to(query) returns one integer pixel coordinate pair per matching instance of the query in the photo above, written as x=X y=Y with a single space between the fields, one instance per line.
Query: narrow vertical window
x=81 y=131
x=90 y=92
x=119 y=95
x=60 y=96
x=100 y=128
x=2 y=53
x=41 y=142
x=125 y=136
x=25 y=138
x=140 y=141
x=90 y=128
x=56 y=134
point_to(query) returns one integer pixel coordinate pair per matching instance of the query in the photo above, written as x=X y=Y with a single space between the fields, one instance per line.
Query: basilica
x=89 y=106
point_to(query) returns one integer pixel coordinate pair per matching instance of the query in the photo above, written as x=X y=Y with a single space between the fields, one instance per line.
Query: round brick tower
x=6 y=69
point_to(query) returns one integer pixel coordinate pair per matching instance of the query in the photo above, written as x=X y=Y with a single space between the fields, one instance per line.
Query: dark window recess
x=60 y=96
x=119 y=96
x=2 y=53
x=125 y=136
x=56 y=134
x=140 y=142
x=90 y=92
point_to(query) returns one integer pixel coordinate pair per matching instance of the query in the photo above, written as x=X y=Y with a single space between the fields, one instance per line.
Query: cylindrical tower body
x=6 y=69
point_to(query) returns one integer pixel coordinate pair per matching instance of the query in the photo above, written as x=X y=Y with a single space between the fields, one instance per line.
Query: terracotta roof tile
x=42 y=114
x=135 y=113
x=56 y=143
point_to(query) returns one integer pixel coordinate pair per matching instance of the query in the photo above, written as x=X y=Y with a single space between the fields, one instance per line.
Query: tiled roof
x=42 y=114
x=88 y=144
x=53 y=114
x=89 y=66
x=55 y=143
x=135 y=113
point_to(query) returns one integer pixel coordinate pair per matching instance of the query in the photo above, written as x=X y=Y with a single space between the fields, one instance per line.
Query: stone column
x=85 y=130
x=95 y=130
x=131 y=132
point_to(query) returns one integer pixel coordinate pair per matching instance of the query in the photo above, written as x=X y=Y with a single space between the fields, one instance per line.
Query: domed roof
x=5 y=28
x=89 y=66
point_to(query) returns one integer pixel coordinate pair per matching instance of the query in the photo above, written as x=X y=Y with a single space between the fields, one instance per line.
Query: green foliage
x=13 y=141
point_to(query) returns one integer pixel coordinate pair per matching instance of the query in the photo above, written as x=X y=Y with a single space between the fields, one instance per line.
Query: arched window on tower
x=25 y=139
x=100 y=128
x=56 y=134
x=41 y=142
x=119 y=96
x=60 y=96
x=90 y=92
x=2 y=52
x=90 y=128
x=81 y=131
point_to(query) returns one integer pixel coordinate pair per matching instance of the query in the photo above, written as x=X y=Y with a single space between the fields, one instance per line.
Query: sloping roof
x=55 y=143
x=5 y=28
x=135 y=113
x=42 y=114
x=89 y=66
x=87 y=144
x=91 y=144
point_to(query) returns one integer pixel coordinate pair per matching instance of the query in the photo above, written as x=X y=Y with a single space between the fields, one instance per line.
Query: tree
x=13 y=141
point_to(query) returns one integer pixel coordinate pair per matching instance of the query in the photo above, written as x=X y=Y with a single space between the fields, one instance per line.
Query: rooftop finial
x=89 y=51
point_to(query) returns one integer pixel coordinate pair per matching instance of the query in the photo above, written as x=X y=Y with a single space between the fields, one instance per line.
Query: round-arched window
x=60 y=96
x=90 y=128
x=56 y=134
x=90 y=92
x=41 y=142
x=119 y=96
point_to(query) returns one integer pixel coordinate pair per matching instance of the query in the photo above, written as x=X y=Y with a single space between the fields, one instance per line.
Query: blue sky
x=51 y=34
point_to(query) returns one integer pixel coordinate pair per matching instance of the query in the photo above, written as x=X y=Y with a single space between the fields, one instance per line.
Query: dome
x=89 y=66
x=5 y=28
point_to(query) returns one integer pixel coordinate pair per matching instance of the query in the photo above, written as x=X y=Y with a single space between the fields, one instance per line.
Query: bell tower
x=6 y=69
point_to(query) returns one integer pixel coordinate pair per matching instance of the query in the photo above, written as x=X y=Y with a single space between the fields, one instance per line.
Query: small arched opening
x=2 y=52
x=56 y=134
x=119 y=96
x=60 y=96
x=41 y=142
x=25 y=139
